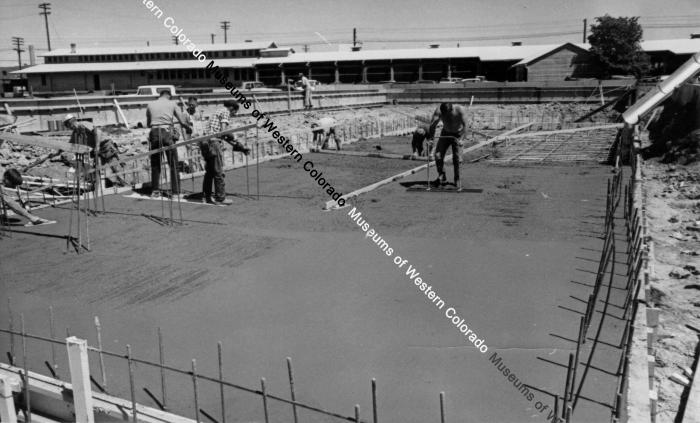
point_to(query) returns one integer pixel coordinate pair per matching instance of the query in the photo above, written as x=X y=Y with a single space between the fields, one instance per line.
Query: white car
x=255 y=86
x=155 y=89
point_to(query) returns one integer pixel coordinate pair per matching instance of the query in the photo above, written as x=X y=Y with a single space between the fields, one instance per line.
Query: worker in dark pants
x=419 y=136
x=454 y=125
x=212 y=153
x=322 y=131
x=160 y=117
x=85 y=133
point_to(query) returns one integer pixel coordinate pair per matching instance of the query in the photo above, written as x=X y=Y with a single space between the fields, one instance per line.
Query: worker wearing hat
x=85 y=133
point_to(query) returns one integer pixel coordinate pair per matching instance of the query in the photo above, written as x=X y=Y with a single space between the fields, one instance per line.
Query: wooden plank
x=107 y=407
x=368 y=154
x=45 y=142
x=691 y=414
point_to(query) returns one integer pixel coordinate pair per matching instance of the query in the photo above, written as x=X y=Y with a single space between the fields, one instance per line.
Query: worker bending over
x=419 y=135
x=212 y=153
x=11 y=179
x=85 y=133
x=454 y=125
x=322 y=130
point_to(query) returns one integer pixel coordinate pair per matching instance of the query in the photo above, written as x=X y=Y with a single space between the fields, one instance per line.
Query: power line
x=19 y=42
x=46 y=7
x=225 y=25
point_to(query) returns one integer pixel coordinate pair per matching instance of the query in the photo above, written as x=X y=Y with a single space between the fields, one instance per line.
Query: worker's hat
x=68 y=117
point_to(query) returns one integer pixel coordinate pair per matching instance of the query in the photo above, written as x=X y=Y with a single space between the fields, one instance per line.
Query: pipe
x=664 y=89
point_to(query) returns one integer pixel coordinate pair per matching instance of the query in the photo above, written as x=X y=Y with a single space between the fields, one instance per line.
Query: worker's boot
x=441 y=180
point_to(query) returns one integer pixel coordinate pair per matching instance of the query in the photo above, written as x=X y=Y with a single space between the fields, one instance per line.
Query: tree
x=615 y=44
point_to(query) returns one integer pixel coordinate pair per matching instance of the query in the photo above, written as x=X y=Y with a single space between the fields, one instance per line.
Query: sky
x=379 y=23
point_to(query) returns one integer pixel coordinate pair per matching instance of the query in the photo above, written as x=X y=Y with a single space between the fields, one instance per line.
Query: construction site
x=338 y=280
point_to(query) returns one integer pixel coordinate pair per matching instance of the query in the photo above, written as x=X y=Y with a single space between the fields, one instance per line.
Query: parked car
x=155 y=89
x=450 y=80
x=425 y=81
x=256 y=86
x=478 y=78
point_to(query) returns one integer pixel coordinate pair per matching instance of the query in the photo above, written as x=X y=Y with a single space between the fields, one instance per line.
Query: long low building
x=125 y=68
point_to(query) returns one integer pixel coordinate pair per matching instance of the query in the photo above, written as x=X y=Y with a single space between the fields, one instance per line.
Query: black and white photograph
x=457 y=211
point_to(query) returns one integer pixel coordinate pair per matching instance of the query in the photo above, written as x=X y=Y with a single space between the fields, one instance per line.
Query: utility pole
x=585 y=27
x=212 y=38
x=225 y=25
x=46 y=7
x=354 y=37
x=19 y=42
x=175 y=40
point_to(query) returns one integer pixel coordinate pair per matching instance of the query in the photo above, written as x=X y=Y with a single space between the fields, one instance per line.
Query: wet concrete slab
x=280 y=277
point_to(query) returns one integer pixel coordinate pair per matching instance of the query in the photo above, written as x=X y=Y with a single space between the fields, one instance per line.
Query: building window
x=43 y=79
x=200 y=73
x=159 y=75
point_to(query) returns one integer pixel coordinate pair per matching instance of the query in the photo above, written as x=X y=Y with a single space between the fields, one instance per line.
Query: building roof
x=523 y=54
x=149 y=65
x=499 y=53
x=678 y=46
x=257 y=45
x=581 y=48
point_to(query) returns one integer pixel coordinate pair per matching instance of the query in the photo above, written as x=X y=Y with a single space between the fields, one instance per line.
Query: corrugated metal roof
x=134 y=66
x=484 y=53
x=158 y=49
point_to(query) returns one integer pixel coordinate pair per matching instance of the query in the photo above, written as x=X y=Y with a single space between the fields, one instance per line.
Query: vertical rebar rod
x=374 y=400
x=161 y=360
x=194 y=388
x=264 y=399
x=357 y=413
x=134 y=416
x=219 y=349
x=567 y=384
x=579 y=342
x=442 y=407
x=556 y=408
x=52 y=334
x=98 y=328
x=257 y=170
x=12 y=335
x=247 y=180
x=27 y=397
x=290 y=371
x=78 y=177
